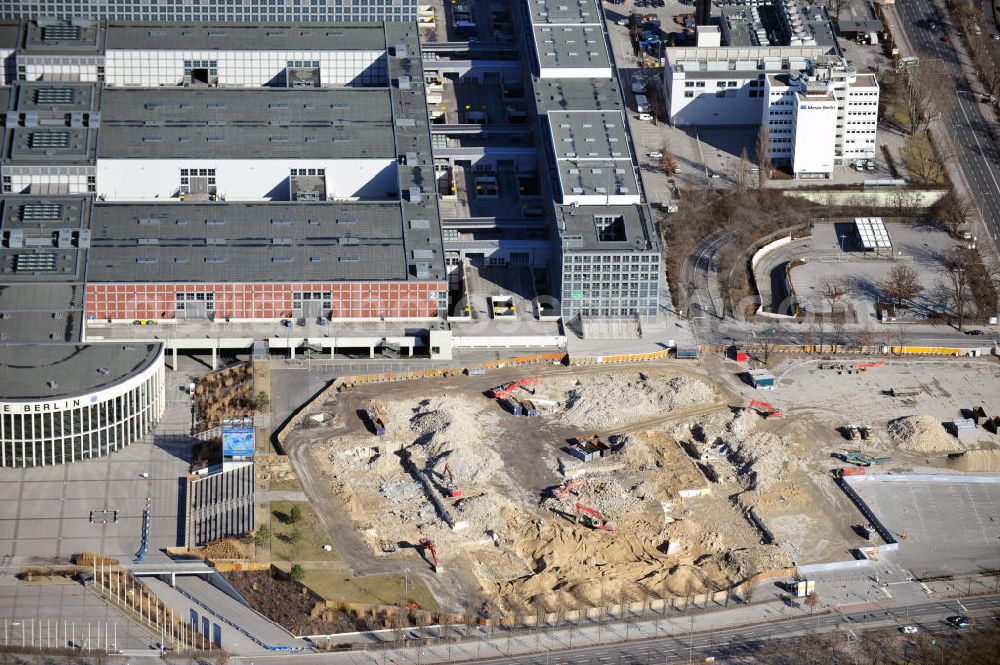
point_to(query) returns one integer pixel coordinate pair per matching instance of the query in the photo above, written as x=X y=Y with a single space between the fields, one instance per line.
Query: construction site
x=565 y=488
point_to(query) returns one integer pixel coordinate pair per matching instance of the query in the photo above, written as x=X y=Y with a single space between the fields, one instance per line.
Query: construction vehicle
x=375 y=418
x=427 y=545
x=861 y=459
x=529 y=408
x=840 y=473
x=452 y=488
x=508 y=388
x=853 y=433
x=593 y=518
x=561 y=491
x=864 y=366
x=515 y=406
x=765 y=409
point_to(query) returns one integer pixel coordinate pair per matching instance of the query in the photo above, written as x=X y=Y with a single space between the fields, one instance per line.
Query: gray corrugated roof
x=188 y=236
x=243 y=37
x=246 y=123
x=26 y=369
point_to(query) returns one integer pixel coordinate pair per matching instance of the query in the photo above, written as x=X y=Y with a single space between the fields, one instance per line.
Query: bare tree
x=927 y=92
x=902 y=283
x=833 y=293
x=742 y=172
x=668 y=160
x=953 y=210
x=763 y=150
x=956 y=284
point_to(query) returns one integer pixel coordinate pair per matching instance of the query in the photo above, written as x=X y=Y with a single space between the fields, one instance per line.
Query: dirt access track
x=676 y=503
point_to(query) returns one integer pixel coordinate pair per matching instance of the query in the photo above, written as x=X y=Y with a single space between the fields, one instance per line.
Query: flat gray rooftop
x=41 y=273
x=41 y=313
x=579 y=229
x=240 y=37
x=72 y=37
x=572 y=46
x=46 y=98
x=590 y=94
x=249 y=242
x=597 y=177
x=588 y=134
x=264 y=123
x=25 y=370
x=9 y=31
x=59 y=145
x=564 y=12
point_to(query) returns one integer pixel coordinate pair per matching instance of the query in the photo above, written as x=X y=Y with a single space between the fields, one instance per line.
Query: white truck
x=641 y=104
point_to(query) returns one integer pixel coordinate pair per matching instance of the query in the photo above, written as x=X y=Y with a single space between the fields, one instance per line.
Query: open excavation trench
x=673 y=499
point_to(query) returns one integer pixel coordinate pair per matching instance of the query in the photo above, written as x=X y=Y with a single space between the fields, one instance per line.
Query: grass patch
x=338 y=587
x=313 y=535
x=290 y=484
x=922 y=161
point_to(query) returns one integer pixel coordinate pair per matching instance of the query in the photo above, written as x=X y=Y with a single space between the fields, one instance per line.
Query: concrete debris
x=618 y=400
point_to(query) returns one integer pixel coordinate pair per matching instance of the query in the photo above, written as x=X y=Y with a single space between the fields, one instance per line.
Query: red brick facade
x=349 y=300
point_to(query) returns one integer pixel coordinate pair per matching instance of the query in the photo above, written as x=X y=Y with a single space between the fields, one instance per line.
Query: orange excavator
x=507 y=388
x=427 y=545
x=561 y=491
x=454 y=491
x=765 y=409
x=593 y=518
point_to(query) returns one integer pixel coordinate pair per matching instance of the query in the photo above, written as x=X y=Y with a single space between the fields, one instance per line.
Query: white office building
x=821 y=116
x=802 y=92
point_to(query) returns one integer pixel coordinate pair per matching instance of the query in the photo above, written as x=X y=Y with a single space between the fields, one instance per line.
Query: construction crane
x=427 y=545
x=507 y=388
x=561 y=491
x=765 y=409
x=454 y=491
x=593 y=518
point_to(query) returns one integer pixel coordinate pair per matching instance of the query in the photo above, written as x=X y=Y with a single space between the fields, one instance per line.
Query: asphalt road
x=977 y=154
x=679 y=646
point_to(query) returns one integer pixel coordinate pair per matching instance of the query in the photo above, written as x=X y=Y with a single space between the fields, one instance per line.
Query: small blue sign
x=237 y=442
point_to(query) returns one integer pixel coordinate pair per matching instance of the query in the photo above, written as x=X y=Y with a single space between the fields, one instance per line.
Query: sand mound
x=616 y=400
x=922 y=434
x=976 y=461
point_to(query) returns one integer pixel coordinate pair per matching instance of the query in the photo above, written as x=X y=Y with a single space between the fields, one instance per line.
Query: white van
x=645 y=116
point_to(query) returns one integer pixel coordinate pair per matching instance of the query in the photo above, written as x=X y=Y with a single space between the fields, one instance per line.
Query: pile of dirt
x=762 y=459
x=976 y=461
x=605 y=401
x=922 y=434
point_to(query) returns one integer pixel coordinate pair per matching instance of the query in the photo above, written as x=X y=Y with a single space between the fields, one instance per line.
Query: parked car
x=932 y=25
x=870 y=165
x=974 y=332
x=622 y=21
x=655 y=154
x=946 y=39
x=909 y=630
